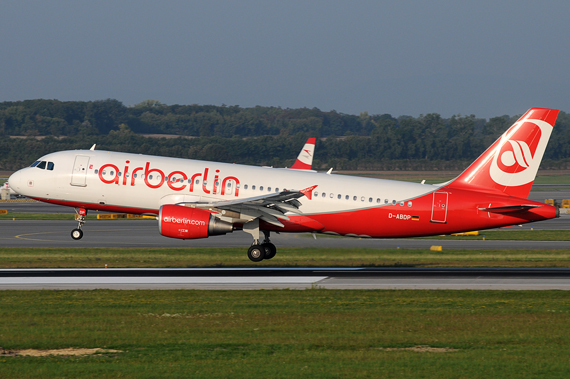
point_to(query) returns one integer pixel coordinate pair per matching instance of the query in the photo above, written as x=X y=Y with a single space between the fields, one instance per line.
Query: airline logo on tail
x=305 y=159
x=519 y=153
x=511 y=163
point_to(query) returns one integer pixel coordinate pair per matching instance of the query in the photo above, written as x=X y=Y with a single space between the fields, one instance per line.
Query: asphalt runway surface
x=292 y=278
x=144 y=233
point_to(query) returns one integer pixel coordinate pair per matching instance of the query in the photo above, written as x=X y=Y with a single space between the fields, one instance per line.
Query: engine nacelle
x=177 y=221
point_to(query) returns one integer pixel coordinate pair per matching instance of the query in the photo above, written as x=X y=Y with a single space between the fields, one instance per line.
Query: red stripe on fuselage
x=396 y=221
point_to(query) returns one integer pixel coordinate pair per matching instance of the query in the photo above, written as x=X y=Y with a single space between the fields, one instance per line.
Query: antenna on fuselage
x=93 y=147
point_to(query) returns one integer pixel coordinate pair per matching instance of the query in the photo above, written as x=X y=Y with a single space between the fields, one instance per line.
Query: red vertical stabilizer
x=511 y=163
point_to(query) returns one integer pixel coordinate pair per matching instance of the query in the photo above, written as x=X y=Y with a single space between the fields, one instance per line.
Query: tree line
x=259 y=135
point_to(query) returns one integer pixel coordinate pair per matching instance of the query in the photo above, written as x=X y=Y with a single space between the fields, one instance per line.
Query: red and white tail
x=511 y=163
x=305 y=159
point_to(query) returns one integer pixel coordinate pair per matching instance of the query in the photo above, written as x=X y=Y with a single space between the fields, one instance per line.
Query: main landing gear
x=77 y=233
x=258 y=252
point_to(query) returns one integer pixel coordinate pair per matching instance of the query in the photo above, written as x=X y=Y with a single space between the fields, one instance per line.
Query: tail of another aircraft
x=511 y=163
x=305 y=159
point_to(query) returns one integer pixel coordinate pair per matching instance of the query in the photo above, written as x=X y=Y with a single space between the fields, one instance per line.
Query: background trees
x=257 y=135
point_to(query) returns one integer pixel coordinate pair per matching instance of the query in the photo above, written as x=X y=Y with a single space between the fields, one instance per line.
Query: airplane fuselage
x=338 y=204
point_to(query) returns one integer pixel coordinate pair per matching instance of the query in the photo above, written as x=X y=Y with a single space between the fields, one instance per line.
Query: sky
x=487 y=58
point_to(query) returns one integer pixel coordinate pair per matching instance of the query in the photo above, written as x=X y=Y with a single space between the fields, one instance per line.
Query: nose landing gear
x=77 y=233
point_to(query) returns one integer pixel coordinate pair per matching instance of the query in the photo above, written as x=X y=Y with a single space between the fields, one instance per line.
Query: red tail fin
x=511 y=163
x=305 y=159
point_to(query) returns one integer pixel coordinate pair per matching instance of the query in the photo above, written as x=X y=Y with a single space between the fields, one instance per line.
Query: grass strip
x=282 y=334
x=286 y=257
x=513 y=235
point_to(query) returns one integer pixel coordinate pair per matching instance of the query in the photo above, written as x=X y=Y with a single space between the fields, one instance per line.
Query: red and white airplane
x=198 y=199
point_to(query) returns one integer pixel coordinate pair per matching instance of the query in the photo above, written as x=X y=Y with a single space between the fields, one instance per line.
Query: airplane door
x=79 y=174
x=439 y=207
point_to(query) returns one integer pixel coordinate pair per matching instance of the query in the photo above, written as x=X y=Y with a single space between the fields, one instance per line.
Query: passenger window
x=42 y=165
x=347 y=197
x=401 y=203
x=369 y=199
x=393 y=202
x=97 y=171
x=197 y=181
x=119 y=173
x=268 y=189
x=245 y=186
x=113 y=173
x=135 y=176
x=339 y=196
x=378 y=201
x=149 y=177
x=50 y=166
x=104 y=172
x=386 y=201
x=35 y=164
x=332 y=195
x=316 y=194
x=409 y=203
x=362 y=198
x=253 y=187
x=276 y=189
x=354 y=198
x=237 y=186
x=261 y=188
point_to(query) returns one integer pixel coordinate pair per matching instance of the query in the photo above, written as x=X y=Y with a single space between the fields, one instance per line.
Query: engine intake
x=181 y=222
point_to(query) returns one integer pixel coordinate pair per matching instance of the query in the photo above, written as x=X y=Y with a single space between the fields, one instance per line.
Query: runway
x=144 y=233
x=291 y=278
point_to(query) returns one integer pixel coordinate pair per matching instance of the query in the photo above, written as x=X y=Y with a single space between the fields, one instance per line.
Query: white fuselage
x=136 y=181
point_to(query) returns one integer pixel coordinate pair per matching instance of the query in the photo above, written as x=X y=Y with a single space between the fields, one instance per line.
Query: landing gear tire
x=256 y=253
x=270 y=250
x=76 y=234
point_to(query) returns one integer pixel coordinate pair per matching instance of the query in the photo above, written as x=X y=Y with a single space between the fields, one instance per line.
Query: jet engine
x=177 y=221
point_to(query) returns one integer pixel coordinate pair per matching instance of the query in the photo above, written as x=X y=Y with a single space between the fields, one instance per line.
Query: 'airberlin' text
x=177 y=180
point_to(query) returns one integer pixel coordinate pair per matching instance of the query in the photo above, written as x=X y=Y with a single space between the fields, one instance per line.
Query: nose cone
x=17 y=181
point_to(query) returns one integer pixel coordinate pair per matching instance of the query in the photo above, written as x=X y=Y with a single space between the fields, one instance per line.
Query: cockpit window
x=50 y=166
x=35 y=164
x=42 y=165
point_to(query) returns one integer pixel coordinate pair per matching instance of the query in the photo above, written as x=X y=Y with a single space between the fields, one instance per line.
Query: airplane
x=305 y=159
x=198 y=199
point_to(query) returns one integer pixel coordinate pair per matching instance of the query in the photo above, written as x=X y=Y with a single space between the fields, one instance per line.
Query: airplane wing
x=305 y=159
x=269 y=207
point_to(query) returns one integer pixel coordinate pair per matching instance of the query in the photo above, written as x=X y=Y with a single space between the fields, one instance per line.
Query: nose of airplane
x=16 y=181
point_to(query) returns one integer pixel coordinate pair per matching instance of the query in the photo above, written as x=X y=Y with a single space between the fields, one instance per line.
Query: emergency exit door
x=79 y=174
x=439 y=207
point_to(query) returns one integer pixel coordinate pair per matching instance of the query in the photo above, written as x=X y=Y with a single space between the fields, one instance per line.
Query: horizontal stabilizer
x=509 y=209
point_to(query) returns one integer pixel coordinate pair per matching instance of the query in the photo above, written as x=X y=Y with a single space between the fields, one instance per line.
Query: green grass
x=285 y=334
x=286 y=257
x=514 y=235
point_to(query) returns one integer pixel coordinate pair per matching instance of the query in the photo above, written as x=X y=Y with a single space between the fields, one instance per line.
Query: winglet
x=305 y=159
x=308 y=192
x=93 y=147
